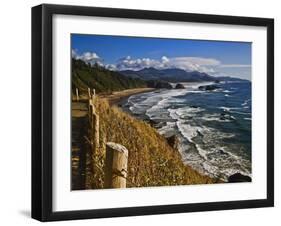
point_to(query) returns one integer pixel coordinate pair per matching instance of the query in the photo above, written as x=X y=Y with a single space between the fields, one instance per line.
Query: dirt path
x=80 y=156
x=79 y=145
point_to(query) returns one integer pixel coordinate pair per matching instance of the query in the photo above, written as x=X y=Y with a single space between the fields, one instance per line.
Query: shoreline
x=145 y=139
x=118 y=96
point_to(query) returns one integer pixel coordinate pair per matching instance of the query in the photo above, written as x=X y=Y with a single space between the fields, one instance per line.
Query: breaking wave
x=213 y=128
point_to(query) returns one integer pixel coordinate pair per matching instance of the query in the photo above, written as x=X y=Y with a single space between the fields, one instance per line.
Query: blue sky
x=120 y=53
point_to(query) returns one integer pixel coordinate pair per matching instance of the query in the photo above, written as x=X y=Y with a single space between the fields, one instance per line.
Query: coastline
x=156 y=149
x=151 y=155
x=119 y=96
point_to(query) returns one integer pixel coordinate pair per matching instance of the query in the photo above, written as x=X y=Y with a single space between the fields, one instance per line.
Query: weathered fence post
x=95 y=130
x=93 y=99
x=89 y=93
x=77 y=95
x=94 y=127
x=116 y=165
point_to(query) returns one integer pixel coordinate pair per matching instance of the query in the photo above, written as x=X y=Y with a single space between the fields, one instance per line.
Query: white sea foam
x=229 y=108
x=168 y=128
x=225 y=108
x=199 y=145
x=188 y=111
x=187 y=130
x=241 y=113
x=219 y=163
x=245 y=102
x=214 y=117
x=215 y=163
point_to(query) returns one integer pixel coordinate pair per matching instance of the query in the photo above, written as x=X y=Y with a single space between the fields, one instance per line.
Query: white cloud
x=198 y=61
x=207 y=65
x=194 y=63
x=128 y=63
x=235 y=65
x=73 y=53
x=111 y=67
x=185 y=63
x=88 y=57
x=165 y=59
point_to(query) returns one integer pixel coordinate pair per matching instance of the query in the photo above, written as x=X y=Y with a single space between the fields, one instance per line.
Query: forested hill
x=175 y=75
x=103 y=80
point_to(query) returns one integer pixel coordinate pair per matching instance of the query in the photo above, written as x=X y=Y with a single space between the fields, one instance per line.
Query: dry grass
x=152 y=162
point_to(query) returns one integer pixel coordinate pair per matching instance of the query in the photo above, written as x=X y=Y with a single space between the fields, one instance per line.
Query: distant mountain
x=174 y=75
x=96 y=77
x=103 y=80
x=145 y=74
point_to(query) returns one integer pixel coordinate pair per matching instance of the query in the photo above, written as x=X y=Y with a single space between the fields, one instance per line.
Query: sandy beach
x=119 y=96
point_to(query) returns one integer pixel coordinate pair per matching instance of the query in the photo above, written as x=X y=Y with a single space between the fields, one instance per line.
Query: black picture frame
x=42 y=111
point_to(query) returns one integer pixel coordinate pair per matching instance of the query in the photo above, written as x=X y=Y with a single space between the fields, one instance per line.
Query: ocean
x=213 y=127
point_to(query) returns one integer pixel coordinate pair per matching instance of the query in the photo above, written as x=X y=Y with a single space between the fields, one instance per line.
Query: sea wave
x=202 y=142
x=245 y=102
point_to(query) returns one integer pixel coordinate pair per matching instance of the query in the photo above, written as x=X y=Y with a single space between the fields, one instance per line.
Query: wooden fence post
x=89 y=93
x=94 y=92
x=116 y=165
x=94 y=127
x=93 y=99
x=95 y=130
x=77 y=95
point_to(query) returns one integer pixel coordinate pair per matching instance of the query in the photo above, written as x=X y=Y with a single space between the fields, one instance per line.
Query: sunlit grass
x=152 y=162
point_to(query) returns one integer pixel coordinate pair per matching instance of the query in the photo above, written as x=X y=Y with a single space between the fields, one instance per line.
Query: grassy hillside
x=99 y=78
x=152 y=162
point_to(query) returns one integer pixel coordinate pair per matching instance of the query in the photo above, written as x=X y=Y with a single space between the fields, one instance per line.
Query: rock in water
x=173 y=141
x=179 y=86
x=208 y=87
x=159 y=84
x=238 y=177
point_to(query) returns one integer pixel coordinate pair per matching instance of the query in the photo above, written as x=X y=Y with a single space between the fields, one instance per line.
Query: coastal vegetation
x=99 y=78
x=152 y=161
